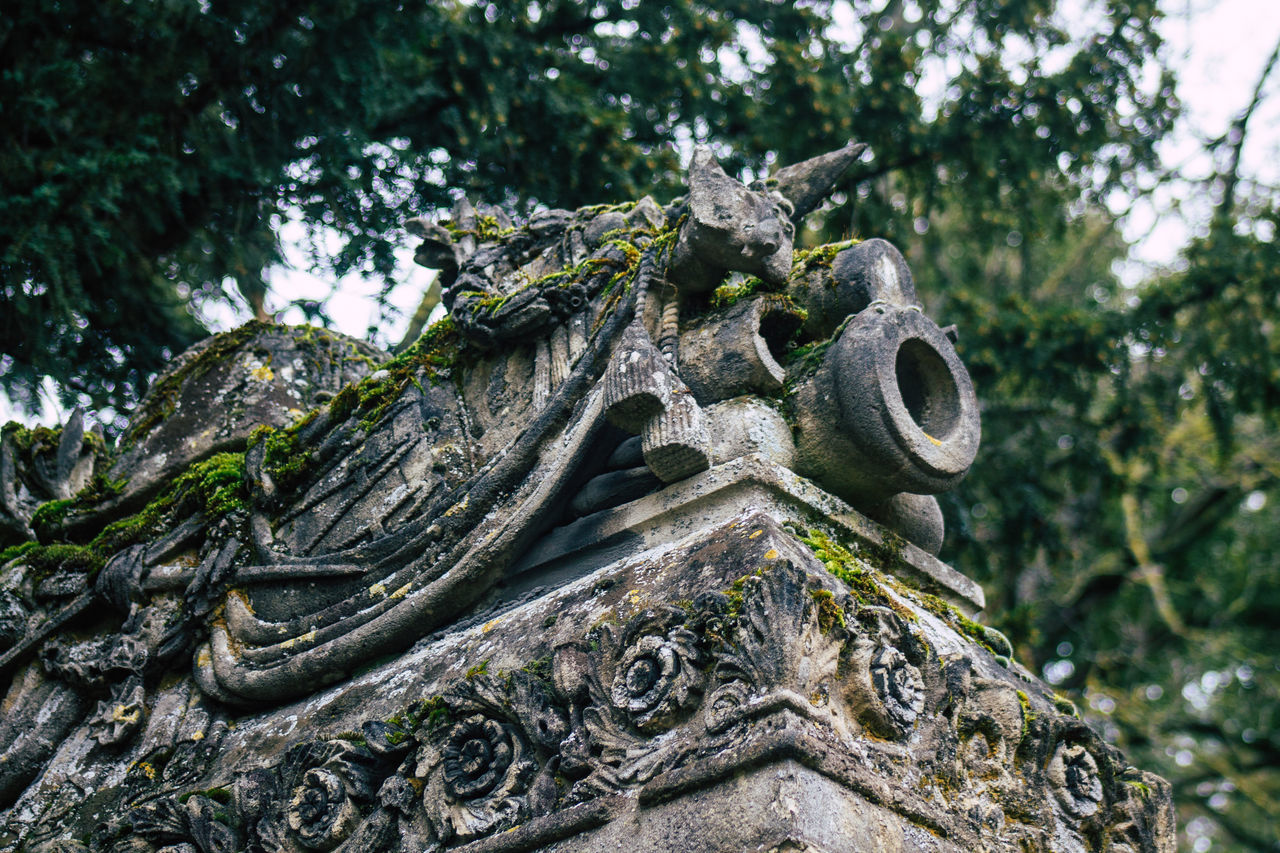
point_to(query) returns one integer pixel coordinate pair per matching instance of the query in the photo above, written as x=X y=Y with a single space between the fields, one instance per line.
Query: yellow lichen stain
x=771 y=554
x=197 y=735
x=203 y=659
x=377 y=589
x=303 y=639
x=458 y=507
x=402 y=591
x=489 y=626
x=936 y=442
x=262 y=374
x=147 y=769
x=242 y=595
x=121 y=714
x=634 y=598
x=756 y=533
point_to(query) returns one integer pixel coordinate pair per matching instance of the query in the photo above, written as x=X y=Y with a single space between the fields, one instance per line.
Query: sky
x=1217 y=47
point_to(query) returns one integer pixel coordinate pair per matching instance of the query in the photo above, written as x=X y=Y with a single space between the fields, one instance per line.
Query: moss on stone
x=819 y=256
x=13 y=552
x=487 y=229
x=1143 y=789
x=539 y=668
x=100 y=488
x=727 y=294
x=433 y=355
x=432 y=714
x=989 y=638
x=596 y=209
x=32 y=440
x=214 y=487
x=830 y=615
x=1028 y=714
x=50 y=514
x=844 y=564
x=284 y=461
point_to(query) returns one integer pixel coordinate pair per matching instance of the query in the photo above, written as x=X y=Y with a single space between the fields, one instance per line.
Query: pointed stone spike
x=463 y=215
x=807 y=184
x=498 y=214
x=69 y=451
x=8 y=482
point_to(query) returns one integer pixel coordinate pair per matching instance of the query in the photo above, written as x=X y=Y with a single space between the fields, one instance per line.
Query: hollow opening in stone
x=928 y=390
x=777 y=327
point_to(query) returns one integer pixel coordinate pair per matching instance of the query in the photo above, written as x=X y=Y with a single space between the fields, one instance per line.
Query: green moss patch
x=818 y=256
x=215 y=487
x=844 y=564
x=432 y=356
x=830 y=615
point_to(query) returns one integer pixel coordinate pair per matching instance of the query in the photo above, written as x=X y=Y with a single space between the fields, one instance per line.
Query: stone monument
x=633 y=551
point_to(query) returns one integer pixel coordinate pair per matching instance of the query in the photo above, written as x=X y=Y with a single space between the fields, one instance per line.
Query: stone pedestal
x=722 y=690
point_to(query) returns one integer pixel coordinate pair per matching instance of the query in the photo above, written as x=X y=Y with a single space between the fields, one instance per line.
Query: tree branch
x=1240 y=127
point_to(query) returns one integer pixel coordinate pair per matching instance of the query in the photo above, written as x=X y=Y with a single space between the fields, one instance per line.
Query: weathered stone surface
x=867 y=272
x=40 y=466
x=890 y=409
x=574 y=572
x=737 y=351
x=217 y=392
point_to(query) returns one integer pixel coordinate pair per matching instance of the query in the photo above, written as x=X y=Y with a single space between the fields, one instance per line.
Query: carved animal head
x=730 y=227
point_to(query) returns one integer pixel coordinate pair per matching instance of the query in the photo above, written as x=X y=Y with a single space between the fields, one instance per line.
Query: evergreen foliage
x=152 y=149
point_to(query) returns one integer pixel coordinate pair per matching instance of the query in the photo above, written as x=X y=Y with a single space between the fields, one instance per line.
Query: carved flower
x=321 y=814
x=477 y=756
x=481 y=781
x=885 y=690
x=117 y=720
x=721 y=708
x=655 y=677
x=899 y=687
x=1073 y=772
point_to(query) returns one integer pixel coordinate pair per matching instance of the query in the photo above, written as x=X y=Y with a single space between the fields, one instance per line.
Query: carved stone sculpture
x=633 y=550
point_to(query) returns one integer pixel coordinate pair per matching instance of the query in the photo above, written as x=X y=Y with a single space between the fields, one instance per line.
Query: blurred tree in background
x=1121 y=514
x=151 y=150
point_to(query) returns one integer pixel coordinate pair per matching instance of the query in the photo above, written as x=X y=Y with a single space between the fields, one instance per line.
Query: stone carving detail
x=655 y=676
x=613 y=710
x=119 y=719
x=48 y=466
x=885 y=688
x=624 y=706
x=321 y=814
x=1073 y=772
x=212 y=569
x=481 y=779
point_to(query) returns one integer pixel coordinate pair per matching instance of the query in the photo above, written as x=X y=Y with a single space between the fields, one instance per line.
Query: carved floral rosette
x=668 y=688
